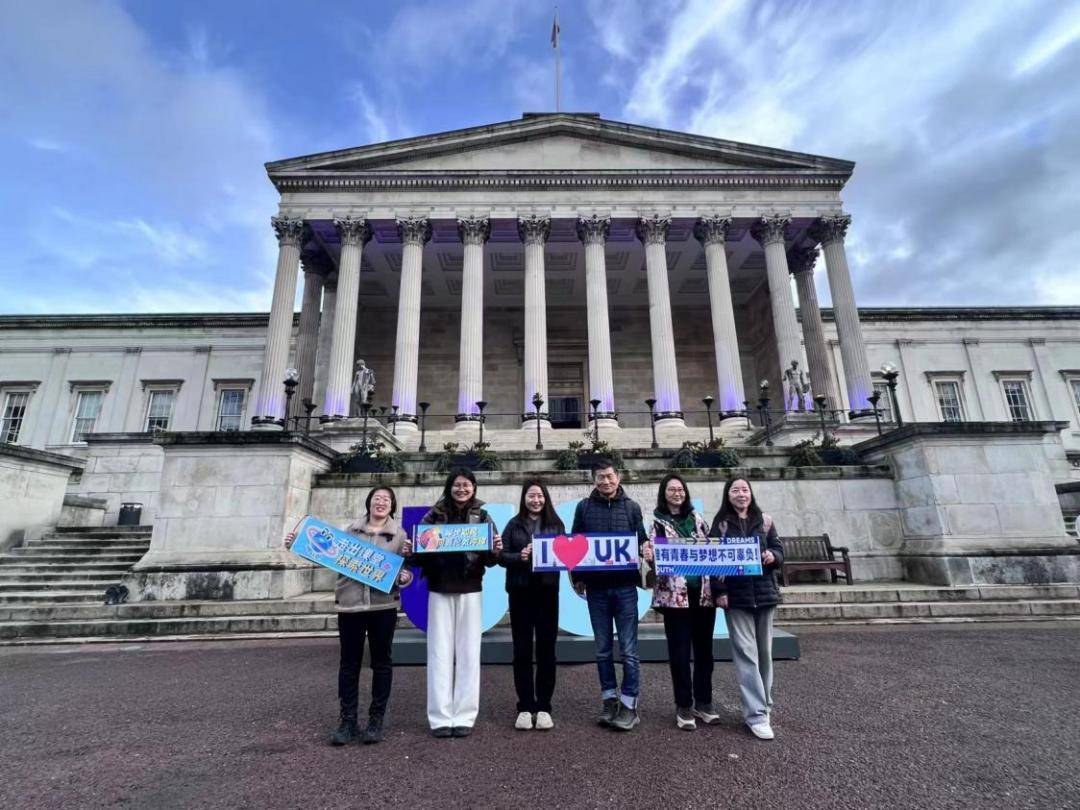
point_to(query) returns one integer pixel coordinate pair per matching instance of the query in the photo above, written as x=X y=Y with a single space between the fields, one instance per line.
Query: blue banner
x=430 y=538
x=585 y=552
x=347 y=554
x=715 y=557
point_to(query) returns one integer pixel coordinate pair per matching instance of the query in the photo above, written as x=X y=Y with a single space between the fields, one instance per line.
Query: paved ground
x=930 y=716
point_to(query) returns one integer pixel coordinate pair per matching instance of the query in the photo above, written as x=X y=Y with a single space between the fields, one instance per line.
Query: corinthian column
x=474 y=232
x=534 y=231
x=354 y=234
x=830 y=231
x=593 y=231
x=652 y=231
x=769 y=231
x=801 y=263
x=307 y=342
x=415 y=232
x=270 y=405
x=711 y=232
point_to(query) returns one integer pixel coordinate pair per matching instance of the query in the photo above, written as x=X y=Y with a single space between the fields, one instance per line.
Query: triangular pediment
x=558 y=142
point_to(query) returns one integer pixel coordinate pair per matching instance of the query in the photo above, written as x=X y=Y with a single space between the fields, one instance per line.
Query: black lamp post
x=365 y=409
x=309 y=406
x=480 y=407
x=890 y=373
x=652 y=421
x=292 y=379
x=763 y=403
x=821 y=401
x=423 y=425
x=708 y=414
x=393 y=420
x=746 y=413
x=873 y=399
x=595 y=421
x=538 y=403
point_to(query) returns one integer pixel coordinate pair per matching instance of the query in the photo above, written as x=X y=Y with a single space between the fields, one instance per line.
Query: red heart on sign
x=571 y=550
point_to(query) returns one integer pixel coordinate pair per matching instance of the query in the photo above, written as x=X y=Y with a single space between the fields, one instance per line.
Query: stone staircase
x=69 y=566
x=313 y=614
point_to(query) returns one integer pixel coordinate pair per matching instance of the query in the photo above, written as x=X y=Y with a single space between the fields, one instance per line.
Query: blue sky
x=132 y=134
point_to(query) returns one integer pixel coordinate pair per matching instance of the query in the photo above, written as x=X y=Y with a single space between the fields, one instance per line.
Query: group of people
x=688 y=605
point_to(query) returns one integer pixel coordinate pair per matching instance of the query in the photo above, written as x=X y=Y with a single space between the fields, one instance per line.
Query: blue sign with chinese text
x=347 y=554
x=429 y=538
x=715 y=557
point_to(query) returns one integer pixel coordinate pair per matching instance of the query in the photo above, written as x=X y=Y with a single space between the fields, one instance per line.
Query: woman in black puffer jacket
x=750 y=603
x=534 y=606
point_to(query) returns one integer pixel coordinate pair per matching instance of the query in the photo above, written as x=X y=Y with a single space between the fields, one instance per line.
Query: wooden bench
x=815 y=553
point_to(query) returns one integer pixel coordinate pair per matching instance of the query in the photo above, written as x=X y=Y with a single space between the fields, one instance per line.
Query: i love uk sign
x=585 y=552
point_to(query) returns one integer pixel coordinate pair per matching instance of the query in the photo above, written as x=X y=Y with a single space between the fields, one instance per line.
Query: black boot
x=347 y=731
x=373 y=733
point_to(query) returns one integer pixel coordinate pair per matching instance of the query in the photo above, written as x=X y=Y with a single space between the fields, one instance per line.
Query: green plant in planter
x=577 y=454
x=805 y=453
x=702 y=454
x=378 y=458
x=832 y=453
x=477 y=456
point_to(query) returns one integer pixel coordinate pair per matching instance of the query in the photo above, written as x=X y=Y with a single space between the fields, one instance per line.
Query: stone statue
x=363 y=387
x=798 y=389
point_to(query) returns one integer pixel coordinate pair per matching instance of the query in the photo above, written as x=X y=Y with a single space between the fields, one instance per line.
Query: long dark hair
x=727 y=511
x=385 y=488
x=452 y=509
x=661 y=499
x=549 y=519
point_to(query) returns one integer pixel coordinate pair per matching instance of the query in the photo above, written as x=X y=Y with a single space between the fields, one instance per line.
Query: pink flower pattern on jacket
x=670 y=592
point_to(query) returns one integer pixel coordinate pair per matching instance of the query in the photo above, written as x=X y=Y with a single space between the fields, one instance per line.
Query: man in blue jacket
x=612 y=596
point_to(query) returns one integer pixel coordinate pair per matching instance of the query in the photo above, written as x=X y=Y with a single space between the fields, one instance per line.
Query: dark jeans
x=619 y=606
x=378 y=626
x=534 y=612
x=690 y=630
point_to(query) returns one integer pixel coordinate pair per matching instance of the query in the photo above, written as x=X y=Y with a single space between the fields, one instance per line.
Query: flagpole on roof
x=555 y=45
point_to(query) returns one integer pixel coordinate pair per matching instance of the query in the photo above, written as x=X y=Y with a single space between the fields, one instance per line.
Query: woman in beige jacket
x=364 y=611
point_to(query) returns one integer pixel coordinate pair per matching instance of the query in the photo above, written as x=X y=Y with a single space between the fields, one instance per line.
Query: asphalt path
x=901 y=716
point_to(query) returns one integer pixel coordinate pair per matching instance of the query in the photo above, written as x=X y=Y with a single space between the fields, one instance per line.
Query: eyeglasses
x=675 y=491
x=381 y=499
x=462 y=487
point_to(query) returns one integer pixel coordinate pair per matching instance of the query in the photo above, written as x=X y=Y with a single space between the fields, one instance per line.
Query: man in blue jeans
x=612 y=596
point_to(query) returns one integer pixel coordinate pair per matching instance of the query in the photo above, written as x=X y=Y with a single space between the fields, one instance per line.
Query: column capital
x=414 y=230
x=318 y=263
x=712 y=230
x=830 y=228
x=474 y=230
x=353 y=231
x=288 y=231
x=770 y=228
x=653 y=229
x=593 y=230
x=534 y=229
x=802 y=260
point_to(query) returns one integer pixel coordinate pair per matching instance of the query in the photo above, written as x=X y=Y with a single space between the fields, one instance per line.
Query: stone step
x=179 y=626
x=61 y=573
x=83 y=549
x=173 y=610
x=100 y=531
x=926 y=611
x=60 y=586
x=73 y=559
x=52 y=597
x=906 y=592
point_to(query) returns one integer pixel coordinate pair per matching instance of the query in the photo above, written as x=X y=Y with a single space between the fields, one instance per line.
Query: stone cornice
x=537 y=180
x=585 y=126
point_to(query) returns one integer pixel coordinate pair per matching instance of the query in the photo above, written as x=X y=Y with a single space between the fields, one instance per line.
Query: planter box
x=714 y=458
x=362 y=464
x=838 y=456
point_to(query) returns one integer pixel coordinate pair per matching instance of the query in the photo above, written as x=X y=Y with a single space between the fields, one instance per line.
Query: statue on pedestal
x=798 y=389
x=363 y=388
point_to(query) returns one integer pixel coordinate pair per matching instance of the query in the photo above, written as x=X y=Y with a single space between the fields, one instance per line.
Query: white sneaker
x=524 y=721
x=763 y=731
x=544 y=721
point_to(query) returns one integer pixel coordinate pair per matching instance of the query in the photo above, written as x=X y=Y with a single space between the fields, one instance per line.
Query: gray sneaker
x=626 y=719
x=684 y=719
x=608 y=712
x=706 y=713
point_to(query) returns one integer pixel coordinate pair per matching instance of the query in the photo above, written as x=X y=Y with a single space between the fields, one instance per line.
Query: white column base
x=530 y=424
x=467 y=427
x=404 y=428
x=266 y=426
x=670 y=422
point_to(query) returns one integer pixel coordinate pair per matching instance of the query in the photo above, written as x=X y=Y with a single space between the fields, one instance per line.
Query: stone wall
x=32 y=484
x=122 y=468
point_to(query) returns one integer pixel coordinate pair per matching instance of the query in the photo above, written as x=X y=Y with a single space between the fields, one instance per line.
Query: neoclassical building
x=562 y=255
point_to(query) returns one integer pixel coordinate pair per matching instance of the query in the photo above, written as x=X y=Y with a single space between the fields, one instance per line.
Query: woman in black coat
x=534 y=606
x=750 y=602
